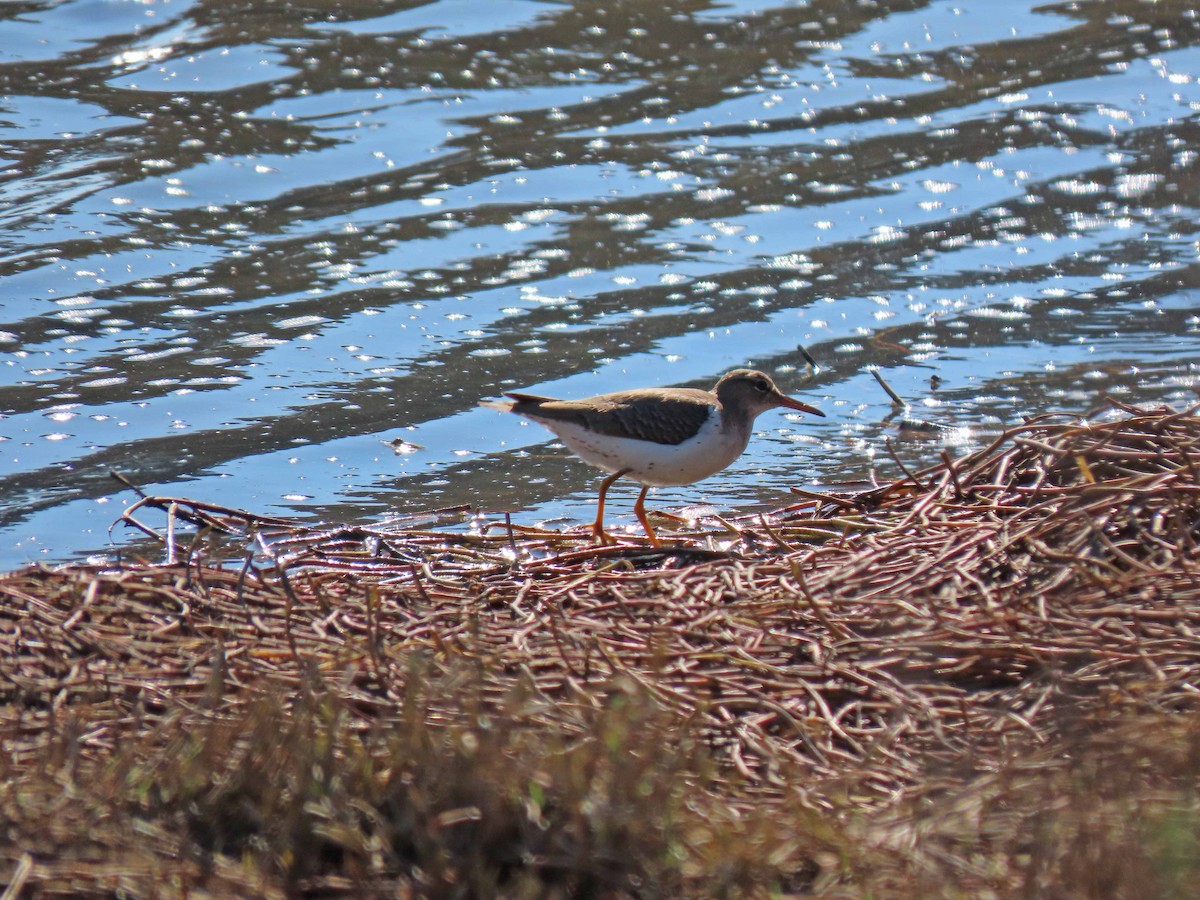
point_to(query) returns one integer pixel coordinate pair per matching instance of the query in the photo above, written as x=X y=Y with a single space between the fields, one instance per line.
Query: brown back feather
x=643 y=414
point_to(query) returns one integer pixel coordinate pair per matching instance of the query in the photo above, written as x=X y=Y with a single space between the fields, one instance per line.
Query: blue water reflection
x=246 y=246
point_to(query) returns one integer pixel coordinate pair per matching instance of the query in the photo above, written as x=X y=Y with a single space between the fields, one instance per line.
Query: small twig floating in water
x=908 y=428
x=809 y=361
x=125 y=482
x=897 y=400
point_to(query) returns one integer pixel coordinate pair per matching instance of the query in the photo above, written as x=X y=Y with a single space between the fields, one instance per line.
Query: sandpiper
x=657 y=436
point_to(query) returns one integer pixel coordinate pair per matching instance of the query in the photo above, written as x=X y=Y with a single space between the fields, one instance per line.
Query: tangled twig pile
x=857 y=652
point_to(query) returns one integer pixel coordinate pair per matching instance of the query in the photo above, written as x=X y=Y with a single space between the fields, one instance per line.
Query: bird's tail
x=502 y=405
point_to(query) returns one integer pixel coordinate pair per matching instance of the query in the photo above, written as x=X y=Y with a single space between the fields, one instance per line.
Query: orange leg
x=598 y=527
x=640 y=509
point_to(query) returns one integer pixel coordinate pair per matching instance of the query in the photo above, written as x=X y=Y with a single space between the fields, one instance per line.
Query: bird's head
x=750 y=392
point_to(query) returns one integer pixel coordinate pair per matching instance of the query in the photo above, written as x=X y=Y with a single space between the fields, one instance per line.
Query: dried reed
x=856 y=654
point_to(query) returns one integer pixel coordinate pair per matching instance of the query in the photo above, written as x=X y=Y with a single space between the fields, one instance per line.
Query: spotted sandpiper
x=657 y=436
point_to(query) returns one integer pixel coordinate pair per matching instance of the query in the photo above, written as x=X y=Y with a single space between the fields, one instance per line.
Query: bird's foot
x=603 y=537
x=610 y=540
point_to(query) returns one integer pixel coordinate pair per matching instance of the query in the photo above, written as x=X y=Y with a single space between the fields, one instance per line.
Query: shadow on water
x=245 y=243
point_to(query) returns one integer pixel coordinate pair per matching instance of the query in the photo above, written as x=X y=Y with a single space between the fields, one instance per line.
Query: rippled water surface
x=244 y=245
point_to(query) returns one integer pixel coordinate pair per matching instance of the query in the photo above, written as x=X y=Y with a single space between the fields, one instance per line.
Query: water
x=245 y=245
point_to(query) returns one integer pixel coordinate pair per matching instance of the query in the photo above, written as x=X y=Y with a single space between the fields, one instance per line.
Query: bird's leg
x=598 y=527
x=640 y=509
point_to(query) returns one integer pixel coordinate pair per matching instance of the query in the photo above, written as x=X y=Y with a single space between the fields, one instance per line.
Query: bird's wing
x=640 y=415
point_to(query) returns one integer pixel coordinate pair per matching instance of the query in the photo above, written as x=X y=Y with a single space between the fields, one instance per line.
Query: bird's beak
x=799 y=406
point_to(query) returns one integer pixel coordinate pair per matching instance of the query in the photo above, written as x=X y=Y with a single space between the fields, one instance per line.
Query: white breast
x=659 y=465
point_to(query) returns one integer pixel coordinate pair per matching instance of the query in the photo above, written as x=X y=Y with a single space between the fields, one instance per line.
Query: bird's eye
x=761 y=387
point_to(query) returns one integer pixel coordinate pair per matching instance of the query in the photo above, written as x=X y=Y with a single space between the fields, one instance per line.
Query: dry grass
x=979 y=679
